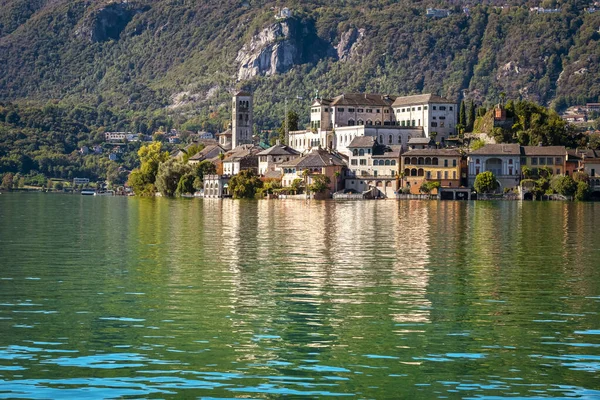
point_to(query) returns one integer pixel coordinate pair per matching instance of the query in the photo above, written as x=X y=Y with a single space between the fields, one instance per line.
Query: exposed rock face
x=280 y=46
x=349 y=43
x=107 y=22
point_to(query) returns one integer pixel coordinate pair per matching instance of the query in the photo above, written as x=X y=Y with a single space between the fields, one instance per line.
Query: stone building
x=431 y=165
x=216 y=186
x=242 y=120
x=372 y=165
x=503 y=160
x=270 y=160
x=435 y=114
x=240 y=158
x=317 y=161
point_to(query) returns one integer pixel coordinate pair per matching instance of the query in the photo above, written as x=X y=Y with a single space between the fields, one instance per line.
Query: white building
x=270 y=160
x=116 y=136
x=436 y=115
x=503 y=160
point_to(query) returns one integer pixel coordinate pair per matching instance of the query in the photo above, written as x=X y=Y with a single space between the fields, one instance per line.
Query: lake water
x=106 y=297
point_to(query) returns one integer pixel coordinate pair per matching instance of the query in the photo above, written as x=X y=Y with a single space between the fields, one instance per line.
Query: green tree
x=476 y=144
x=7 y=181
x=462 y=115
x=428 y=187
x=169 y=175
x=292 y=120
x=245 y=184
x=185 y=184
x=296 y=185
x=142 y=180
x=204 y=168
x=564 y=185
x=485 y=182
x=583 y=191
x=320 y=183
x=191 y=151
x=58 y=186
x=470 y=116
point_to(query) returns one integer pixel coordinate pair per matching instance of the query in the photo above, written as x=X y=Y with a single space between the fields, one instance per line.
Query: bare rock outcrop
x=349 y=43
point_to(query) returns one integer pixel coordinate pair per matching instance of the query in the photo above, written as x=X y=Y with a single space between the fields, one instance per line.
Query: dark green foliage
x=204 y=168
x=485 y=182
x=245 y=184
x=169 y=175
x=186 y=184
x=462 y=115
x=319 y=184
x=292 y=122
x=583 y=191
x=564 y=185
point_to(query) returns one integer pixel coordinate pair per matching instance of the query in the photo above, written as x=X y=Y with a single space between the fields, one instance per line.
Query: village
x=372 y=146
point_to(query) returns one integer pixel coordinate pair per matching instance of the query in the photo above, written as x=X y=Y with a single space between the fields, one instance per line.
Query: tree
x=292 y=121
x=296 y=185
x=320 y=183
x=191 y=151
x=7 y=181
x=583 y=191
x=204 y=168
x=336 y=174
x=564 y=185
x=245 y=184
x=477 y=144
x=470 y=116
x=581 y=176
x=462 y=115
x=485 y=182
x=428 y=187
x=186 y=184
x=594 y=141
x=142 y=179
x=168 y=176
x=58 y=186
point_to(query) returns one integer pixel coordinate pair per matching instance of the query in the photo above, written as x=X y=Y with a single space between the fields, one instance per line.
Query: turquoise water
x=108 y=297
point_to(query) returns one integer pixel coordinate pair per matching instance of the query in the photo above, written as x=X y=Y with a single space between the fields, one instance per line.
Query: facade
x=80 y=181
x=503 y=160
x=116 y=136
x=269 y=160
x=438 y=12
x=225 y=139
x=216 y=186
x=242 y=157
x=334 y=123
x=372 y=165
x=432 y=165
x=436 y=115
x=552 y=157
x=317 y=161
x=242 y=120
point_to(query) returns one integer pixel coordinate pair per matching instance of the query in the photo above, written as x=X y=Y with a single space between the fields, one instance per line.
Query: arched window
x=377 y=122
x=387 y=162
x=380 y=139
x=421 y=172
x=375 y=162
x=350 y=122
x=414 y=161
x=406 y=172
x=421 y=161
x=361 y=152
x=434 y=161
x=407 y=160
x=355 y=152
x=369 y=122
x=427 y=161
x=393 y=162
x=390 y=139
x=413 y=172
x=360 y=122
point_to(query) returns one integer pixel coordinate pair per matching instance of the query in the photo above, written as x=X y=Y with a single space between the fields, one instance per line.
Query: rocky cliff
x=280 y=46
x=108 y=22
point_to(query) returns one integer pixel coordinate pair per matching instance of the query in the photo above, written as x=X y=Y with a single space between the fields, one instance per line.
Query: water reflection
x=190 y=298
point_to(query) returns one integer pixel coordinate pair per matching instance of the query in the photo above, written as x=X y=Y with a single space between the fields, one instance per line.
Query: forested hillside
x=184 y=57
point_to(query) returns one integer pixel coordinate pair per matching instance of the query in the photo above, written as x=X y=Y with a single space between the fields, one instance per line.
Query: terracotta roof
x=420 y=99
x=544 y=150
x=363 y=99
x=279 y=150
x=498 y=149
x=432 y=152
x=316 y=158
x=362 y=141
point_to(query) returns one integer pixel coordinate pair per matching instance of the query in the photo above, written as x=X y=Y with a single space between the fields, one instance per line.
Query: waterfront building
x=270 y=160
x=317 y=161
x=373 y=166
x=503 y=160
x=432 y=165
x=552 y=157
x=216 y=186
x=435 y=114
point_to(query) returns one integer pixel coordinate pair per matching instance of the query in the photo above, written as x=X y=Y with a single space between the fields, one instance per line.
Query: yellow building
x=441 y=165
x=552 y=157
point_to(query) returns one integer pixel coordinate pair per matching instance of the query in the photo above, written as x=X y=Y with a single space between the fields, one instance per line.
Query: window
x=413 y=109
x=360 y=110
x=445 y=174
x=477 y=171
x=450 y=108
x=406 y=160
x=370 y=110
x=454 y=164
x=425 y=108
x=558 y=160
x=341 y=109
x=428 y=174
x=434 y=124
x=549 y=161
x=442 y=117
x=390 y=139
x=434 y=107
x=375 y=162
x=355 y=152
x=442 y=108
x=351 y=110
x=510 y=161
x=369 y=122
x=557 y=171
x=413 y=123
x=360 y=122
x=393 y=162
x=477 y=161
x=418 y=108
x=453 y=175
x=439 y=175
x=361 y=152
x=445 y=163
x=363 y=161
x=387 y=162
x=350 y=122
x=533 y=160
x=378 y=111
x=542 y=160
x=326 y=109
x=353 y=162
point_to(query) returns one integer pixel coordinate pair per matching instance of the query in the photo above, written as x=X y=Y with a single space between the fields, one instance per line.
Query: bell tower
x=242 y=119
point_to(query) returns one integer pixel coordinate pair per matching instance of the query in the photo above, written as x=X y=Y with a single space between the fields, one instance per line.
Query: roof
x=387 y=151
x=363 y=99
x=420 y=99
x=226 y=133
x=319 y=102
x=418 y=140
x=279 y=150
x=273 y=175
x=207 y=152
x=432 y=152
x=580 y=154
x=544 y=150
x=498 y=149
x=243 y=93
x=362 y=141
x=315 y=159
x=243 y=151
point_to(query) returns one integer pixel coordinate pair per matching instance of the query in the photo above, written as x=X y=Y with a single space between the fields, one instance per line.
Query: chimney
x=277 y=142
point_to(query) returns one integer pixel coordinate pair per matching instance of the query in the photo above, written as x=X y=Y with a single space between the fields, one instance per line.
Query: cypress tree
x=471 y=116
x=462 y=115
